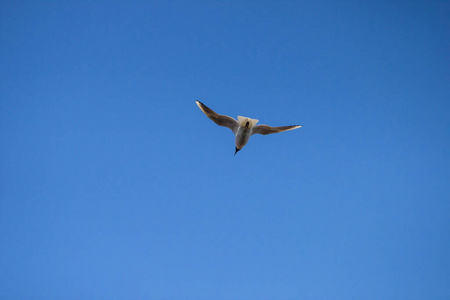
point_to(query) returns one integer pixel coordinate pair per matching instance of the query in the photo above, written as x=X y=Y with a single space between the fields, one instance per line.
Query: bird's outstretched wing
x=221 y=120
x=266 y=129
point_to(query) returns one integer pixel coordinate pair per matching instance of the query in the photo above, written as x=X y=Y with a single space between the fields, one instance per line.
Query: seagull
x=244 y=127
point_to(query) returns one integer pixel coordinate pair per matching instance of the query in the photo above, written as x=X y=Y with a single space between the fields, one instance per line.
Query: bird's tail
x=243 y=120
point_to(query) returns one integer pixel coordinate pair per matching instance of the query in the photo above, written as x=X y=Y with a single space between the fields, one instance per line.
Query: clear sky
x=114 y=185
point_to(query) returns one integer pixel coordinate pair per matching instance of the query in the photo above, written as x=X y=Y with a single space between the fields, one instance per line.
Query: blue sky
x=114 y=185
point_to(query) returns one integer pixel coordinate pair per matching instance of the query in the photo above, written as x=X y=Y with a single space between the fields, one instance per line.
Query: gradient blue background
x=114 y=185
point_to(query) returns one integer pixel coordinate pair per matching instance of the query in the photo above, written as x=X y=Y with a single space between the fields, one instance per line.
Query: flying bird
x=244 y=127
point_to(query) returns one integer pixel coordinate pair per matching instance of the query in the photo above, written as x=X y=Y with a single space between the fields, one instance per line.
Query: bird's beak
x=237 y=150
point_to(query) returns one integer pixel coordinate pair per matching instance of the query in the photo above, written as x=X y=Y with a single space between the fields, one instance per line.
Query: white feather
x=243 y=120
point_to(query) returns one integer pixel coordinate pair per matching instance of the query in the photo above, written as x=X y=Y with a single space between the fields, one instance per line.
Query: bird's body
x=242 y=137
x=244 y=127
